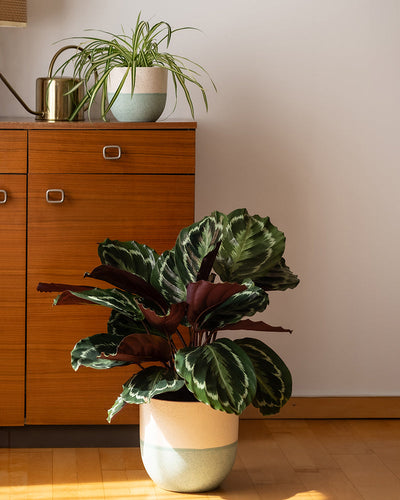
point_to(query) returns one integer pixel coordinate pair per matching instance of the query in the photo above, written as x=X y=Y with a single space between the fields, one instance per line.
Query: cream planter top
x=151 y=80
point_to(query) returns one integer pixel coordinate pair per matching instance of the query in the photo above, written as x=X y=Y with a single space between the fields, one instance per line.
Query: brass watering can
x=56 y=97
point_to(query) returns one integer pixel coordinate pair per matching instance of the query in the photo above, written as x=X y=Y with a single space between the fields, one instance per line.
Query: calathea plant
x=169 y=310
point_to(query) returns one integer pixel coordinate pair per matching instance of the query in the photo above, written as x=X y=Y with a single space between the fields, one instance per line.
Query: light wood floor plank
x=276 y=460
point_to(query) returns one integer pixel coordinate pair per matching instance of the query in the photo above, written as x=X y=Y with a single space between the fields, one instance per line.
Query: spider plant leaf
x=251 y=246
x=130 y=256
x=144 y=385
x=274 y=381
x=219 y=374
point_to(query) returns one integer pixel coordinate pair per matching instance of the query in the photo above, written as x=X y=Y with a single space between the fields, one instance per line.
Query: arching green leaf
x=195 y=242
x=144 y=385
x=219 y=374
x=244 y=303
x=250 y=246
x=87 y=351
x=280 y=277
x=166 y=280
x=128 y=255
x=274 y=381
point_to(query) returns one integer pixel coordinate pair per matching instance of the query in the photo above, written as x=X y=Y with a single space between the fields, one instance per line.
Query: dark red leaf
x=203 y=296
x=59 y=287
x=168 y=323
x=141 y=347
x=207 y=263
x=67 y=298
x=259 y=326
x=129 y=282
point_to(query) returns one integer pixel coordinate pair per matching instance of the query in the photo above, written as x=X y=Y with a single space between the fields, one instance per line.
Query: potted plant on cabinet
x=167 y=313
x=129 y=72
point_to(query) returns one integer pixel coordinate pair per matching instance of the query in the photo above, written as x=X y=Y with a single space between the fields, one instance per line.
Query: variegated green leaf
x=117 y=407
x=251 y=245
x=119 y=300
x=128 y=255
x=244 y=303
x=144 y=385
x=166 y=280
x=195 y=242
x=279 y=277
x=124 y=325
x=274 y=382
x=87 y=351
x=219 y=374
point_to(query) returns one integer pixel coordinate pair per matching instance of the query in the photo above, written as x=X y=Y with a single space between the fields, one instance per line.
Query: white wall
x=304 y=128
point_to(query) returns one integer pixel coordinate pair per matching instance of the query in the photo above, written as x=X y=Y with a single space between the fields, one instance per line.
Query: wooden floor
x=277 y=460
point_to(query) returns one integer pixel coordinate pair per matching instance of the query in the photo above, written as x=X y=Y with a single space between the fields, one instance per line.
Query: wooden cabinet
x=78 y=194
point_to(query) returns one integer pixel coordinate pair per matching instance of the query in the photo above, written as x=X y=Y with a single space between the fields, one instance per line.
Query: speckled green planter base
x=186 y=470
x=138 y=107
x=187 y=447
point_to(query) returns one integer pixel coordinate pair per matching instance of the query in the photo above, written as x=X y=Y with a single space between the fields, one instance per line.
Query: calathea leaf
x=244 y=303
x=279 y=277
x=203 y=296
x=128 y=255
x=119 y=300
x=87 y=351
x=259 y=326
x=195 y=242
x=124 y=325
x=144 y=385
x=166 y=280
x=140 y=348
x=274 y=382
x=219 y=374
x=60 y=287
x=168 y=323
x=130 y=283
x=250 y=246
x=207 y=264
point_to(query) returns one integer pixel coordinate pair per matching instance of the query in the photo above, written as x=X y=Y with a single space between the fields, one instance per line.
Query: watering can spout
x=39 y=114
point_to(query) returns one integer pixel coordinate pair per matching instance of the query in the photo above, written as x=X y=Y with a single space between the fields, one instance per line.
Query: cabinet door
x=62 y=245
x=12 y=298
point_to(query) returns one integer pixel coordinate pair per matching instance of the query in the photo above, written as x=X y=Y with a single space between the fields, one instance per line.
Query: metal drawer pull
x=59 y=192
x=106 y=149
x=4 y=193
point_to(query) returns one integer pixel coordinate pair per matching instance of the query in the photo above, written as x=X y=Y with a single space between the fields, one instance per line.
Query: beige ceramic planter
x=187 y=447
x=147 y=102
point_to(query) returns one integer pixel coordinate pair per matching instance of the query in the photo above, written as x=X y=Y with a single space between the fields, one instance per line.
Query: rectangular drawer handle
x=58 y=199
x=3 y=200
x=108 y=149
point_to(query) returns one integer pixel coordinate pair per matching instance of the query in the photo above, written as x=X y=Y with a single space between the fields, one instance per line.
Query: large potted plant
x=168 y=312
x=129 y=71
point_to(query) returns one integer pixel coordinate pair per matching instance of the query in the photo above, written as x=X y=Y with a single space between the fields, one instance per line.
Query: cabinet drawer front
x=112 y=151
x=62 y=245
x=12 y=298
x=13 y=144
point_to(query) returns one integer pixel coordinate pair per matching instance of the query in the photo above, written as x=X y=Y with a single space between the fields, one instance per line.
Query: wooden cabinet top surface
x=30 y=124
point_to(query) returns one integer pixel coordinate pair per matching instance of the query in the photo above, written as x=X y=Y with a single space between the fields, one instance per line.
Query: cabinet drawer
x=13 y=144
x=112 y=151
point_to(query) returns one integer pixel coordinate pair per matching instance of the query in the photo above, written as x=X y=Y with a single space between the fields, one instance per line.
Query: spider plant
x=141 y=48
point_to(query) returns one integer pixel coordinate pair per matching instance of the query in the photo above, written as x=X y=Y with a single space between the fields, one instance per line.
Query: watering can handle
x=51 y=65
